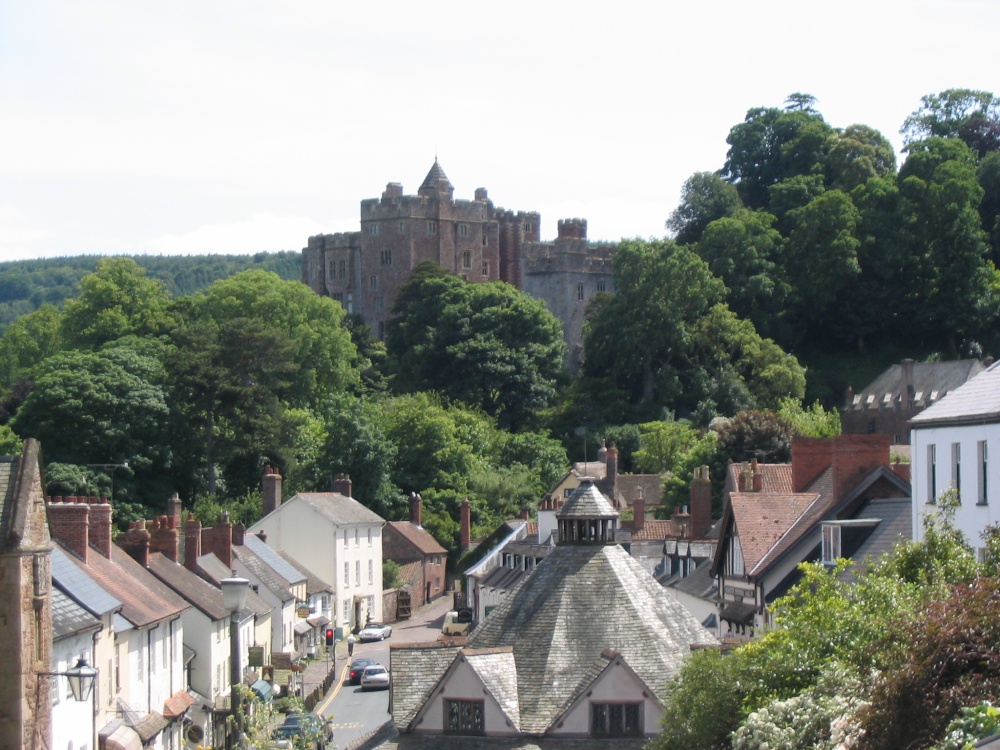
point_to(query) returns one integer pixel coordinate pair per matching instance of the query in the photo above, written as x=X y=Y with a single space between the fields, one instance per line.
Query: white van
x=457 y=623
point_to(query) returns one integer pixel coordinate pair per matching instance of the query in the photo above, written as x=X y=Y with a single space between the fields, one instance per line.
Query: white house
x=337 y=538
x=952 y=443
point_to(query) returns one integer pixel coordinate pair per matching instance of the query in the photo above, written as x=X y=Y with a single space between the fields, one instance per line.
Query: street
x=355 y=713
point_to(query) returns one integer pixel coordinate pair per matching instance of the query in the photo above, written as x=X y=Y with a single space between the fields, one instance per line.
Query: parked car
x=375 y=677
x=357 y=667
x=374 y=631
x=298 y=729
x=457 y=622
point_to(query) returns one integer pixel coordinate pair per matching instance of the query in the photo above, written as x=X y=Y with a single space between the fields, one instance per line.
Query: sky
x=240 y=126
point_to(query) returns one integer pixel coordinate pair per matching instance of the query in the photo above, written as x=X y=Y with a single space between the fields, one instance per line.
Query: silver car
x=374 y=631
x=375 y=677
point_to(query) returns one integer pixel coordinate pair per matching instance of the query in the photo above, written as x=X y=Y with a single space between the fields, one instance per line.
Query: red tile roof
x=763 y=518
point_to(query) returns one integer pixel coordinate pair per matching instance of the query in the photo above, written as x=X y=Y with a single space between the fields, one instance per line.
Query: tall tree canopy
x=967 y=114
x=487 y=345
x=705 y=197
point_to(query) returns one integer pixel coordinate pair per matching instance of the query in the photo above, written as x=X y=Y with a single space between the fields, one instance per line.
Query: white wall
x=464 y=684
x=973 y=515
x=617 y=684
x=72 y=720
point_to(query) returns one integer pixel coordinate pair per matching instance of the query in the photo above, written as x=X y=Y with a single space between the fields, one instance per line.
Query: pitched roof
x=76 y=582
x=928 y=378
x=69 y=618
x=416 y=670
x=263 y=572
x=655 y=529
x=272 y=559
x=763 y=518
x=339 y=509
x=549 y=622
x=199 y=592
x=587 y=502
x=417 y=536
x=651 y=485
x=496 y=668
x=213 y=570
x=977 y=400
x=776 y=478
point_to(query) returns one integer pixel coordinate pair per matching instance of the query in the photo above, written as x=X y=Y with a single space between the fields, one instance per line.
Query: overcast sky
x=235 y=126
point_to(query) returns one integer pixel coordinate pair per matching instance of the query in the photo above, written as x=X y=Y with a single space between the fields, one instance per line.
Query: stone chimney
x=602 y=452
x=416 y=506
x=639 y=512
x=271 y=489
x=165 y=537
x=466 y=526
x=701 y=503
x=192 y=542
x=135 y=542
x=69 y=524
x=99 y=525
x=342 y=484
x=175 y=510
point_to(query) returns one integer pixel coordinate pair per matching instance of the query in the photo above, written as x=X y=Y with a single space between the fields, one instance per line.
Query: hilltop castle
x=473 y=238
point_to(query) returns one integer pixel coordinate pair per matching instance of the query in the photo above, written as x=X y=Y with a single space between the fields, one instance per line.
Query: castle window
x=381 y=330
x=463 y=230
x=379 y=303
x=432 y=228
x=402 y=227
x=385 y=257
x=342 y=269
x=485 y=241
x=486 y=268
x=616 y=719
x=602 y=285
x=373 y=229
x=373 y=282
x=579 y=291
x=463 y=717
x=527 y=227
x=466 y=260
x=350 y=302
x=339 y=297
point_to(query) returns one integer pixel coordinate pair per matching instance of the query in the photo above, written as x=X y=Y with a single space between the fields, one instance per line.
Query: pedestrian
x=350 y=645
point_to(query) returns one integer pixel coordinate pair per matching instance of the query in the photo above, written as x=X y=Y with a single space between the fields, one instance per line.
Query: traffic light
x=329 y=636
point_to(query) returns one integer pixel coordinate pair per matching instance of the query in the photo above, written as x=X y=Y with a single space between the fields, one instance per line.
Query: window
x=347 y=611
x=579 y=291
x=983 y=462
x=369 y=537
x=527 y=227
x=345 y=538
x=381 y=330
x=347 y=574
x=350 y=302
x=602 y=285
x=432 y=228
x=831 y=543
x=616 y=719
x=373 y=229
x=486 y=268
x=357 y=537
x=339 y=297
x=485 y=241
x=371 y=572
x=385 y=257
x=402 y=228
x=357 y=572
x=956 y=469
x=373 y=282
x=342 y=269
x=931 y=473
x=463 y=717
x=379 y=304
x=331 y=270
x=466 y=260
x=463 y=230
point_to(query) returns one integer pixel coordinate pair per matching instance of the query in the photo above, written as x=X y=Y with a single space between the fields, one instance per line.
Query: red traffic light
x=329 y=636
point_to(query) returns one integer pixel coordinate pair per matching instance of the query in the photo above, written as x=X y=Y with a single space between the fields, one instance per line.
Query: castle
x=473 y=238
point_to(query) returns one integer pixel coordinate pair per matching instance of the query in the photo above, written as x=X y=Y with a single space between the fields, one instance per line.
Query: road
x=355 y=713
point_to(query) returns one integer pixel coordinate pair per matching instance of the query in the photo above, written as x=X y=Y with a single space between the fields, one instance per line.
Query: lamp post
x=110 y=468
x=82 y=679
x=234 y=596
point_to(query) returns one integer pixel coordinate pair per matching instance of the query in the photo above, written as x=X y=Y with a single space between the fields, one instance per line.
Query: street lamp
x=110 y=468
x=82 y=679
x=234 y=596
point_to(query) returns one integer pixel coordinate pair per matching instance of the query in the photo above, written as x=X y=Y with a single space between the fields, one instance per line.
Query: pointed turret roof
x=586 y=501
x=436 y=180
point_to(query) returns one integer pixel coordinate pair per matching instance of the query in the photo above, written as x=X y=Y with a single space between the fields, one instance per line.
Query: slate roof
x=339 y=509
x=270 y=557
x=978 y=400
x=69 y=618
x=434 y=178
x=76 y=583
x=700 y=583
x=940 y=378
x=199 y=592
x=417 y=536
x=314 y=584
x=416 y=669
x=587 y=502
x=444 y=742
x=263 y=572
x=549 y=622
x=496 y=668
x=144 y=599
x=214 y=571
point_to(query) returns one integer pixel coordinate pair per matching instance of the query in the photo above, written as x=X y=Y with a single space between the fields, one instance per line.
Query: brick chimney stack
x=466 y=526
x=757 y=476
x=218 y=540
x=639 y=512
x=416 y=508
x=342 y=484
x=135 y=542
x=175 y=510
x=164 y=536
x=611 y=480
x=701 y=503
x=99 y=525
x=69 y=524
x=271 y=489
x=192 y=542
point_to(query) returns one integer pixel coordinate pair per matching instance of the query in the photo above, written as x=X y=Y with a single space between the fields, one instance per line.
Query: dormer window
x=831 y=543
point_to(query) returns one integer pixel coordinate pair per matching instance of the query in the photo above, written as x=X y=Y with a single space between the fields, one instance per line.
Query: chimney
x=342 y=484
x=192 y=542
x=744 y=481
x=416 y=503
x=135 y=542
x=165 y=537
x=100 y=525
x=271 y=489
x=906 y=390
x=602 y=452
x=218 y=540
x=525 y=514
x=612 y=476
x=701 y=503
x=851 y=457
x=756 y=476
x=639 y=512
x=466 y=532
x=69 y=524
x=239 y=533
x=174 y=510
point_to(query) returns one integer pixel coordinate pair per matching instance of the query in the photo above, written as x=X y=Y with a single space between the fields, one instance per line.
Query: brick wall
x=851 y=456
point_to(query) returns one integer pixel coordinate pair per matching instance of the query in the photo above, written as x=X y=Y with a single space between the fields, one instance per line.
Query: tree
x=763 y=435
x=487 y=345
x=27 y=341
x=814 y=421
x=858 y=154
x=966 y=114
x=988 y=176
x=116 y=301
x=705 y=198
